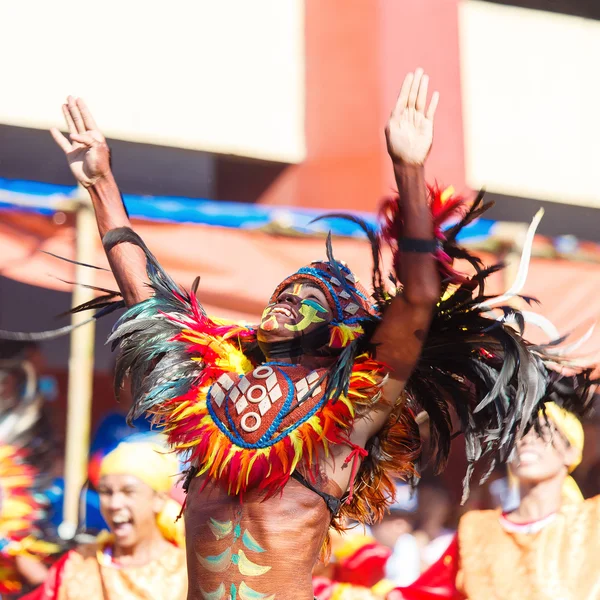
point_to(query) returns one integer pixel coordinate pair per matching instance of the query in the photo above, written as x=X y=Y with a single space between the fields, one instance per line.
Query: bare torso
x=270 y=546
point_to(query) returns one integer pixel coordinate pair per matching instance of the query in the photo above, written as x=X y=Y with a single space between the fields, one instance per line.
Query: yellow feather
x=178 y=409
x=349 y=404
x=250 y=464
x=227 y=459
x=315 y=423
x=447 y=194
x=298 y=448
x=190 y=410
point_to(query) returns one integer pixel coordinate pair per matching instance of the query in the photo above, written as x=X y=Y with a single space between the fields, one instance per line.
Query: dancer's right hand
x=87 y=152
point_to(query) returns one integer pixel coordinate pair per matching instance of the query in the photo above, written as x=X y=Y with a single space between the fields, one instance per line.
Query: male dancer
x=546 y=548
x=139 y=559
x=305 y=418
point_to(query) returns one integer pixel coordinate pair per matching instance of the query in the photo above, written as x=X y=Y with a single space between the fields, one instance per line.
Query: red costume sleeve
x=49 y=589
x=437 y=583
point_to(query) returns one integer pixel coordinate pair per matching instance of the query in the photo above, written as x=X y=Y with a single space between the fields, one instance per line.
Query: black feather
x=377 y=277
x=159 y=367
x=74 y=262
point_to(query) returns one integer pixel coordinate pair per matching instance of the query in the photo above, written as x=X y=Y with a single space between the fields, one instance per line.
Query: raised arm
x=88 y=156
x=409 y=135
x=400 y=336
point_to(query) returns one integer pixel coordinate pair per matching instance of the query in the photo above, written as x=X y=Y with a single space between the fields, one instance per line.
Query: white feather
x=521 y=277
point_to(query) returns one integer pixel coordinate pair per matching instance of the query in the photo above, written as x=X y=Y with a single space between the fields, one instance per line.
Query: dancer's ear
x=571 y=456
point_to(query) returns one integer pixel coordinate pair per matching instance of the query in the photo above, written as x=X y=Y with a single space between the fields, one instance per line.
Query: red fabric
x=49 y=589
x=322 y=588
x=439 y=581
x=365 y=567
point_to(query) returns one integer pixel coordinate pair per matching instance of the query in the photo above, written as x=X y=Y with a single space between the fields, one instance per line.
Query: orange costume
x=493 y=558
x=558 y=560
x=90 y=572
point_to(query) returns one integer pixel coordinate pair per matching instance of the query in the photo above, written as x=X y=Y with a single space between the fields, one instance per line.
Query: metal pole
x=81 y=373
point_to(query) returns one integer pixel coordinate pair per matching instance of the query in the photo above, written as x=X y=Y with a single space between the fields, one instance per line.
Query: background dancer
x=26 y=455
x=547 y=547
x=140 y=558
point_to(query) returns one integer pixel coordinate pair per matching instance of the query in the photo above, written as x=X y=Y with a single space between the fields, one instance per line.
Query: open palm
x=409 y=132
x=87 y=152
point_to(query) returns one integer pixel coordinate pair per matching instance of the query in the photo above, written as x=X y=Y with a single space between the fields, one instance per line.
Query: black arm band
x=417 y=245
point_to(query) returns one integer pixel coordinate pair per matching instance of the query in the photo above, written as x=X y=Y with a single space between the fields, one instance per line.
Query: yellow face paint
x=270 y=324
x=309 y=309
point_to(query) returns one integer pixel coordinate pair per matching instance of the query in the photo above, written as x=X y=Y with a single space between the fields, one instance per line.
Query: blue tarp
x=42 y=198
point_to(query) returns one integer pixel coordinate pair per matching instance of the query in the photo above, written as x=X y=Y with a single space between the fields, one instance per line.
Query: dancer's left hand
x=409 y=132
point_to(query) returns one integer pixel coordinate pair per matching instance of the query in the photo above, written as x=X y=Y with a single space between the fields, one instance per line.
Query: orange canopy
x=239 y=269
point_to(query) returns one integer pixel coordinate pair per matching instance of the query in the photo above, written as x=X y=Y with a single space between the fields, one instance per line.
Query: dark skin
x=300 y=309
x=409 y=136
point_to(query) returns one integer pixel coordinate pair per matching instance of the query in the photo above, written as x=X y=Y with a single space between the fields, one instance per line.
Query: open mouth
x=527 y=457
x=122 y=525
x=280 y=309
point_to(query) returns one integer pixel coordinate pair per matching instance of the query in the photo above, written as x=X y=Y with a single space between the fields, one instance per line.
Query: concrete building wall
x=225 y=77
x=530 y=88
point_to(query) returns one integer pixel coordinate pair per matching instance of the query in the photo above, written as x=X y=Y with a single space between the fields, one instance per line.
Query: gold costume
x=555 y=558
x=561 y=561
x=492 y=558
x=88 y=573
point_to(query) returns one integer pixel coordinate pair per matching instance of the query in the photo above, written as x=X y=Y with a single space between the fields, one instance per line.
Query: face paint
x=298 y=314
x=268 y=323
x=309 y=309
